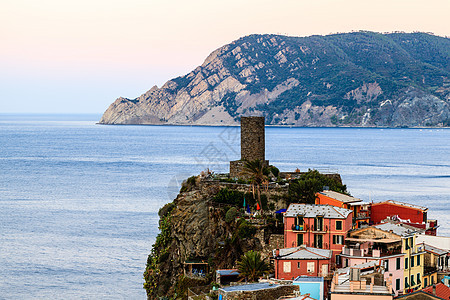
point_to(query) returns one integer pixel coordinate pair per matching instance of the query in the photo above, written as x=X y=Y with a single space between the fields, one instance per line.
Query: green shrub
x=231 y=214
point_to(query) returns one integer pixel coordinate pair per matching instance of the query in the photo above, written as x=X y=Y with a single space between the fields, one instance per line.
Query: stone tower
x=253 y=145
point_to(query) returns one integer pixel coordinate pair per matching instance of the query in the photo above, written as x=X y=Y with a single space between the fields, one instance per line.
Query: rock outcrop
x=353 y=79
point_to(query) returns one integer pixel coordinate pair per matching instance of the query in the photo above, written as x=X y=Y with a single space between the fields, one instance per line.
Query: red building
x=318 y=226
x=301 y=261
x=409 y=214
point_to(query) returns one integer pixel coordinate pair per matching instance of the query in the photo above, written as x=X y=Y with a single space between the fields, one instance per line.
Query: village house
x=360 y=282
x=382 y=248
x=361 y=210
x=434 y=261
x=301 y=261
x=408 y=214
x=413 y=255
x=317 y=226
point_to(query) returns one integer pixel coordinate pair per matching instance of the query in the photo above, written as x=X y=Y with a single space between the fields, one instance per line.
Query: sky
x=65 y=56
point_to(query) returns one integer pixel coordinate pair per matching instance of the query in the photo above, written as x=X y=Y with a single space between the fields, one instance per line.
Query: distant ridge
x=362 y=79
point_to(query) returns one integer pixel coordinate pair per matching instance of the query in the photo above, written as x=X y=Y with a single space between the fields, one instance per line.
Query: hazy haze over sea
x=79 y=201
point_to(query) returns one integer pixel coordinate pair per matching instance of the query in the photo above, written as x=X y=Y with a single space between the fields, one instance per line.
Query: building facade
x=408 y=214
x=317 y=226
x=301 y=261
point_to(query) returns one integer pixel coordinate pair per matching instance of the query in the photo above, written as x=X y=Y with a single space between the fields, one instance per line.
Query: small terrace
x=374 y=253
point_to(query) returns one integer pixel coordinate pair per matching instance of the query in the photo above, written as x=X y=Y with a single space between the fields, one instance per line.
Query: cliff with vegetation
x=351 y=79
x=206 y=223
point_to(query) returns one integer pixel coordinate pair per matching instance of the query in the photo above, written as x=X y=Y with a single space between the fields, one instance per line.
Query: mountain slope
x=351 y=79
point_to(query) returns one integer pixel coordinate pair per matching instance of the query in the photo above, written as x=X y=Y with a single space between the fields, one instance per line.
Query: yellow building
x=413 y=254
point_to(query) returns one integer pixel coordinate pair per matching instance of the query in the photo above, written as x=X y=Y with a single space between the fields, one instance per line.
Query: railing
x=363 y=215
x=299 y=227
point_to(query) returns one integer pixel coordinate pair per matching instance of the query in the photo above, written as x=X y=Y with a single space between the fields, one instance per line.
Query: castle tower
x=253 y=146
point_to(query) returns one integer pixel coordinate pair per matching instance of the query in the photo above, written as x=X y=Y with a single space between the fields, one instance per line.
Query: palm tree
x=251 y=266
x=255 y=171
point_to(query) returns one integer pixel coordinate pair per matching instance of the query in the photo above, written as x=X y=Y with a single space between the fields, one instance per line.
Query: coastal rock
x=354 y=79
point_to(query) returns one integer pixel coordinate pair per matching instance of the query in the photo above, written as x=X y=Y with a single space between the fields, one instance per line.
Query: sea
x=79 y=201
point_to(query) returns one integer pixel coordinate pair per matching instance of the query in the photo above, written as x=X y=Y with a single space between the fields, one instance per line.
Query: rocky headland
x=206 y=223
x=362 y=79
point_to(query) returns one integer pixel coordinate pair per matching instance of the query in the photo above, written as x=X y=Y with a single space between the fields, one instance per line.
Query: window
x=338 y=239
x=338 y=225
x=398 y=263
x=287 y=267
x=310 y=267
x=431 y=280
x=386 y=265
x=412 y=281
x=418 y=278
x=412 y=262
x=318 y=241
x=299 y=240
x=425 y=281
x=406 y=283
x=397 y=284
x=298 y=265
x=406 y=263
x=338 y=259
x=318 y=224
x=418 y=260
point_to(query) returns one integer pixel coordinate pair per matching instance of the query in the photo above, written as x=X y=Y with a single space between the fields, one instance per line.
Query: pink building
x=301 y=261
x=384 y=248
x=317 y=226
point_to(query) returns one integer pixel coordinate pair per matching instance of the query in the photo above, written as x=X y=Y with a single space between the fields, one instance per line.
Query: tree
x=255 y=171
x=251 y=266
x=305 y=188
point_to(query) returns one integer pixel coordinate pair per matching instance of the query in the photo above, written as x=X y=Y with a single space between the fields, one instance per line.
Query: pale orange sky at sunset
x=64 y=56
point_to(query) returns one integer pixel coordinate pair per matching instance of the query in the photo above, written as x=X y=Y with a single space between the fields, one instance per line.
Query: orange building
x=361 y=210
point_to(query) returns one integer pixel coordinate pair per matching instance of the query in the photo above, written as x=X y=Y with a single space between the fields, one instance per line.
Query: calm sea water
x=79 y=201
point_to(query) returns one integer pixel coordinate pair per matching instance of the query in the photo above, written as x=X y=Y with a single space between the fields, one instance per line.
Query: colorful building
x=361 y=210
x=413 y=254
x=351 y=284
x=380 y=247
x=301 y=261
x=312 y=286
x=408 y=214
x=317 y=226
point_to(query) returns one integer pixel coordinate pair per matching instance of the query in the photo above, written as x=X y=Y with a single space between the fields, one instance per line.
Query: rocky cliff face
x=354 y=79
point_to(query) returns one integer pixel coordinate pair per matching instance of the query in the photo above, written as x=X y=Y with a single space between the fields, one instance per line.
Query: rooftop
x=442 y=290
x=402 y=204
x=250 y=287
x=398 y=229
x=363 y=267
x=434 y=250
x=307 y=279
x=341 y=197
x=314 y=210
x=304 y=253
x=343 y=286
x=228 y=272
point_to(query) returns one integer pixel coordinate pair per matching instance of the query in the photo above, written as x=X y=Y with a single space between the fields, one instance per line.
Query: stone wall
x=266 y=294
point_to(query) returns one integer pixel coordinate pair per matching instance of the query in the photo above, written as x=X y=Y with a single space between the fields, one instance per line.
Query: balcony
x=374 y=253
x=362 y=215
x=300 y=228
